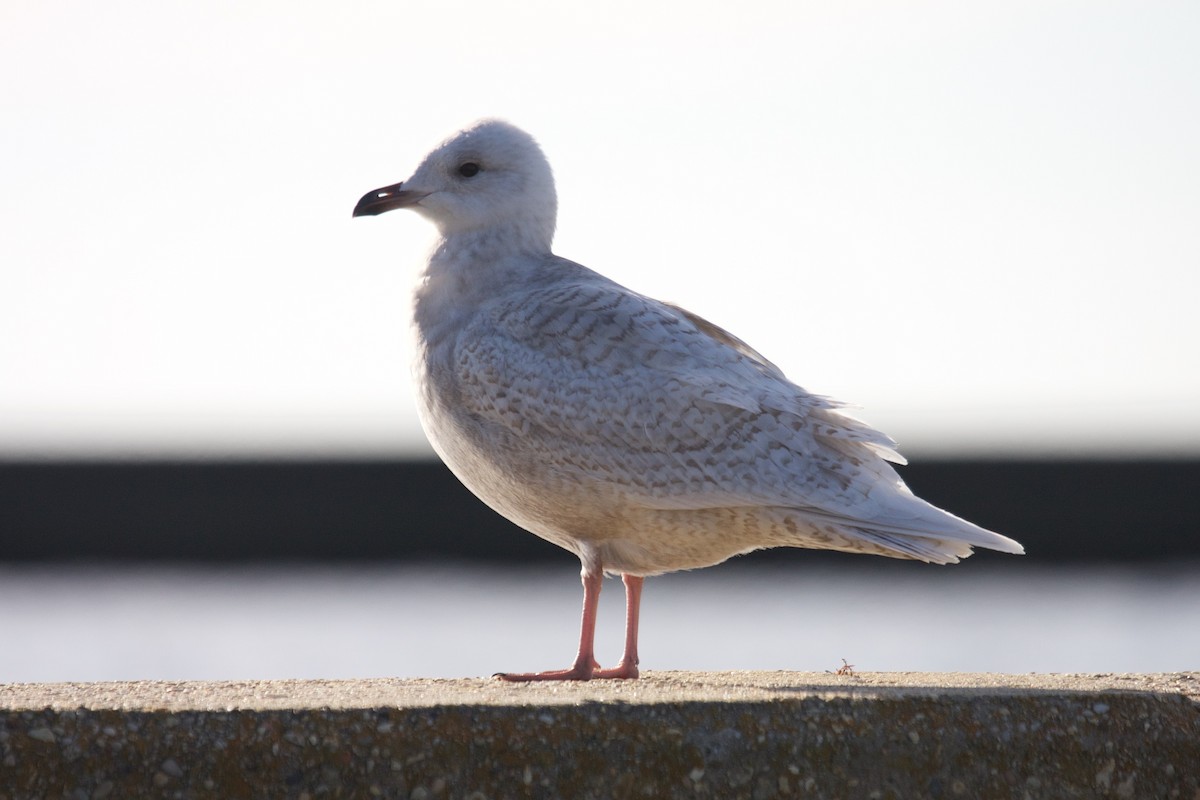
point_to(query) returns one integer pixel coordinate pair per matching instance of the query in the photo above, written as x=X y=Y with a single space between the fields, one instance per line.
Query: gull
x=632 y=432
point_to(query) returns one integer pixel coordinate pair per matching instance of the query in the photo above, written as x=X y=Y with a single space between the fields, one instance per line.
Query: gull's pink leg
x=628 y=668
x=585 y=662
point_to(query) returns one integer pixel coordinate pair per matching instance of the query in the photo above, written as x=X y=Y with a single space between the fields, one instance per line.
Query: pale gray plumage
x=629 y=431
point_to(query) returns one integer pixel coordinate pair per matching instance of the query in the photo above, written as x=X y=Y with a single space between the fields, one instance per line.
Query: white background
x=979 y=221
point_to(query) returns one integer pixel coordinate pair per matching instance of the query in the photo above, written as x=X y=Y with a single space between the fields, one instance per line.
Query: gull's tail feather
x=917 y=530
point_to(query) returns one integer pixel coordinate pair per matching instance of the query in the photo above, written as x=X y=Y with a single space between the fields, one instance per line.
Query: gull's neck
x=468 y=268
x=526 y=238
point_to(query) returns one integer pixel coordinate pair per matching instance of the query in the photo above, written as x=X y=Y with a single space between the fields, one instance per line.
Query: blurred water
x=153 y=622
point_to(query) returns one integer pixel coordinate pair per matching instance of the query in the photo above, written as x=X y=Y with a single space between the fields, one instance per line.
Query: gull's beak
x=386 y=199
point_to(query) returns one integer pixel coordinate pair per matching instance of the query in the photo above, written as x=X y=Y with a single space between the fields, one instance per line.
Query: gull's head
x=491 y=176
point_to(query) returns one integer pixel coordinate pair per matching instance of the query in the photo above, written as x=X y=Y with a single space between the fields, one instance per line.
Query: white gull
x=631 y=432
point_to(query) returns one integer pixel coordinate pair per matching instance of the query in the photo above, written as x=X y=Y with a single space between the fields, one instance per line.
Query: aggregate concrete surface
x=670 y=734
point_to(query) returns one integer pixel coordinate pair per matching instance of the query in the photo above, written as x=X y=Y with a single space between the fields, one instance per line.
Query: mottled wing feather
x=728 y=339
x=839 y=424
x=621 y=389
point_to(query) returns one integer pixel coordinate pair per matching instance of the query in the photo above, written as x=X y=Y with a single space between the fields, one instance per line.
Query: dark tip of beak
x=385 y=199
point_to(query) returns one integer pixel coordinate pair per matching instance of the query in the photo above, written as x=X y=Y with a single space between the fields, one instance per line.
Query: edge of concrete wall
x=671 y=734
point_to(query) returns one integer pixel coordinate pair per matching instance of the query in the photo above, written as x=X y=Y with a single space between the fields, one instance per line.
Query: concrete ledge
x=672 y=734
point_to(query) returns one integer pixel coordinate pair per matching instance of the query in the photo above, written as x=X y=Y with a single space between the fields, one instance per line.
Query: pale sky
x=979 y=221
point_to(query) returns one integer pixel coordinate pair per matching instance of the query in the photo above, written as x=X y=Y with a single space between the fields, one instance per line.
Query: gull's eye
x=469 y=169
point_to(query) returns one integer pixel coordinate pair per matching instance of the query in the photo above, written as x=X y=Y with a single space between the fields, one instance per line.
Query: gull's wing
x=615 y=388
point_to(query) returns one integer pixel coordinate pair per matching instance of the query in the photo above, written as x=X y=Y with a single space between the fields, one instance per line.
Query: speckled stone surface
x=671 y=734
